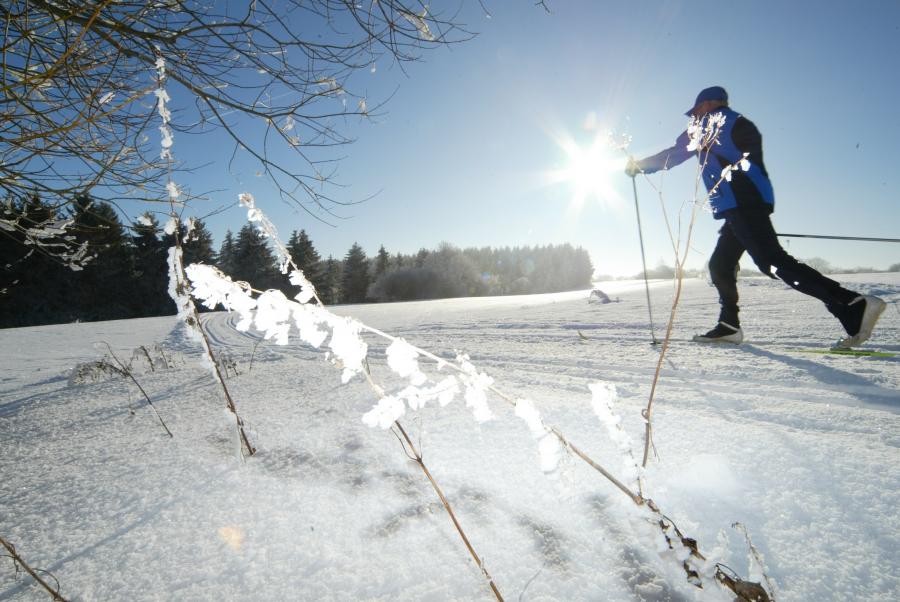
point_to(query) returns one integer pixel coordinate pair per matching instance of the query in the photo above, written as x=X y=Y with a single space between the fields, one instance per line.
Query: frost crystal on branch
x=162 y=97
x=704 y=131
x=476 y=384
x=603 y=397
x=347 y=346
x=307 y=290
x=548 y=445
x=267 y=229
x=418 y=21
x=402 y=359
x=273 y=316
x=214 y=288
x=388 y=410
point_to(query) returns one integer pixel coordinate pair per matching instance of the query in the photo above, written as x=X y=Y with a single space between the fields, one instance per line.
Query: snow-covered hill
x=800 y=448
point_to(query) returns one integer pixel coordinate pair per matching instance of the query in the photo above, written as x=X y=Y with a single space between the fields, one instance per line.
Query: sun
x=588 y=170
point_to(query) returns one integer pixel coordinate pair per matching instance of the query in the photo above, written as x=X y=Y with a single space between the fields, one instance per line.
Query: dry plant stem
x=247 y=448
x=638 y=498
x=149 y=359
x=33 y=572
x=417 y=457
x=127 y=372
x=253 y=354
x=414 y=454
x=647 y=413
x=182 y=289
x=193 y=321
x=756 y=555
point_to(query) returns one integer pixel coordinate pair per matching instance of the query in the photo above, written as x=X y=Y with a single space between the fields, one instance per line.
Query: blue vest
x=727 y=153
x=753 y=186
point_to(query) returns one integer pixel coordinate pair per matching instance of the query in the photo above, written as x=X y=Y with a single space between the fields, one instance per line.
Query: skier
x=745 y=203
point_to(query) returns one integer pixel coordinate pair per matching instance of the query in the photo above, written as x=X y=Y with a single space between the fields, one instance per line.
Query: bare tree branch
x=74 y=75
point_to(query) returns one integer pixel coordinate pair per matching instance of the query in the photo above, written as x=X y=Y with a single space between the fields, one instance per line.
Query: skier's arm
x=672 y=156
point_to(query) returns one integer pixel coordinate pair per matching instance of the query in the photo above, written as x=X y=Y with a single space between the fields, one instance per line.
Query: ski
x=849 y=352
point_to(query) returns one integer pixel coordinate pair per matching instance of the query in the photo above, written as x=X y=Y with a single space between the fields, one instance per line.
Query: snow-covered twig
x=274 y=314
x=603 y=397
x=17 y=559
x=178 y=284
x=128 y=373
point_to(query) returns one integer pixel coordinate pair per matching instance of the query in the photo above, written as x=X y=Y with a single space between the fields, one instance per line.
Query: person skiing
x=745 y=203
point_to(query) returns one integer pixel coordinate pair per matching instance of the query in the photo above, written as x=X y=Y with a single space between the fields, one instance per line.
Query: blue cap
x=712 y=93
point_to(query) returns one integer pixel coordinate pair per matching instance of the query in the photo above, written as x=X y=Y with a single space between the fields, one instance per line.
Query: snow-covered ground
x=800 y=448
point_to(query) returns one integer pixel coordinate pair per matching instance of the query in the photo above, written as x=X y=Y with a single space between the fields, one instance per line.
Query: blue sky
x=464 y=147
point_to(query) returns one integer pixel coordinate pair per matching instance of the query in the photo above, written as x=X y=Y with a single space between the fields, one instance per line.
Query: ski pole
x=643 y=260
x=839 y=237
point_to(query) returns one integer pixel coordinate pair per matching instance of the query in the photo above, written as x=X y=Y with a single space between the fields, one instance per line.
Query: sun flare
x=588 y=171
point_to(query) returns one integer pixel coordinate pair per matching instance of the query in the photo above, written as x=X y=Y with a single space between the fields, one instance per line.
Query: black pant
x=753 y=232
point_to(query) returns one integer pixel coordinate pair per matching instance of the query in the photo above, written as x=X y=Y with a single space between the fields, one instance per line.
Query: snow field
x=801 y=449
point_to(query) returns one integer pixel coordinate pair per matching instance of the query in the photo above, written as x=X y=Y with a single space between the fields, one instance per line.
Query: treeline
x=453 y=272
x=127 y=276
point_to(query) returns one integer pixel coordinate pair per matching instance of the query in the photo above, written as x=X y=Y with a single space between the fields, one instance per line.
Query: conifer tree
x=198 y=248
x=33 y=284
x=150 y=269
x=253 y=259
x=103 y=289
x=382 y=262
x=225 y=259
x=421 y=256
x=329 y=291
x=355 y=277
x=306 y=257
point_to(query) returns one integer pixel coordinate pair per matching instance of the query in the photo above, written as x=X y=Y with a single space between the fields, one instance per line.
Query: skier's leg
x=723 y=265
x=856 y=313
x=755 y=232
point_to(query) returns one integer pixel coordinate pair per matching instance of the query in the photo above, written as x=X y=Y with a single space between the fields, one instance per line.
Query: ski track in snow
x=802 y=449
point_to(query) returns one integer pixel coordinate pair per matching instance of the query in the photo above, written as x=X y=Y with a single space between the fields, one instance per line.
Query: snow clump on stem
x=603 y=397
x=548 y=445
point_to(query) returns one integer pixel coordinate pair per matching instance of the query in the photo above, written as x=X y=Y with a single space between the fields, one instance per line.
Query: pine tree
x=329 y=291
x=382 y=262
x=103 y=290
x=421 y=256
x=33 y=285
x=355 y=278
x=198 y=248
x=151 y=273
x=225 y=259
x=253 y=260
x=306 y=257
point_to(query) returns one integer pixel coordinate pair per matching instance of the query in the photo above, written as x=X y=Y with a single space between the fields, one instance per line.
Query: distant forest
x=128 y=275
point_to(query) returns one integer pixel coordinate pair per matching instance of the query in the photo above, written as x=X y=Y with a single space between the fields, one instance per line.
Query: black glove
x=632 y=169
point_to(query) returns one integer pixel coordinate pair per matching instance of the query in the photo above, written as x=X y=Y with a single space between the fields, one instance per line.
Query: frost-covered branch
x=603 y=397
x=178 y=284
x=275 y=315
x=39 y=229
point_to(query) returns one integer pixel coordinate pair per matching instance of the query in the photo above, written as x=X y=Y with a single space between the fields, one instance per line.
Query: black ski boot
x=722 y=333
